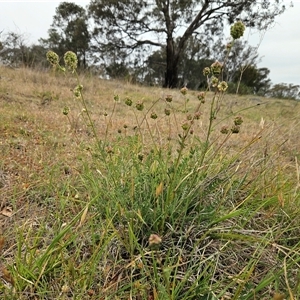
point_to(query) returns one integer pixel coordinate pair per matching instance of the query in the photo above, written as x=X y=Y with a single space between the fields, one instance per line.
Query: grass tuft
x=113 y=191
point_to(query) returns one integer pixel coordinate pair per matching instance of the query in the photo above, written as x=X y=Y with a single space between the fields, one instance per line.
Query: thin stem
x=109 y=122
x=90 y=121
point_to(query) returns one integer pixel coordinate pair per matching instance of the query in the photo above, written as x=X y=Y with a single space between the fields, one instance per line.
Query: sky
x=279 y=48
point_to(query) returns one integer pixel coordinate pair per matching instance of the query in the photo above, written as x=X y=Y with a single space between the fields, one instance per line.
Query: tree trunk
x=171 y=73
x=171 y=76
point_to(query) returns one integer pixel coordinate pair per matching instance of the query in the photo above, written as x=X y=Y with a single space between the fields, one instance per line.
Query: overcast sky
x=279 y=48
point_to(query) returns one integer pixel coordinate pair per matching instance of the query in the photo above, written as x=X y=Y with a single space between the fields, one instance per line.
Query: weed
x=154 y=199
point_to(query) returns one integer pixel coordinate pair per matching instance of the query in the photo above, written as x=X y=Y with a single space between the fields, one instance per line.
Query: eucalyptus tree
x=14 y=49
x=285 y=91
x=129 y=25
x=241 y=68
x=69 y=31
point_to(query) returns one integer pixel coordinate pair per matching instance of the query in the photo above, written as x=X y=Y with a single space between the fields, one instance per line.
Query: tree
x=285 y=91
x=241 y=55
x=117 y=70
x=130 y=24
x=15 y=51
x=156 y=65
x=253 y=81
x=69 y=31
x=190 y=68
x=259 y=81
x=241 y=69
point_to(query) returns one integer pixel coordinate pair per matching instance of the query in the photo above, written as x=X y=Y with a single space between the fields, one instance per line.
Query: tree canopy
x=69 y=31
x=165 y=42
x=129 y=25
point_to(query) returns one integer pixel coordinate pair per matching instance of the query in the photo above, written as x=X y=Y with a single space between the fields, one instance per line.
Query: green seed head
x=235 y=129
x=222 y=86
x=184 y=90
x=216 y=68
x=185 y=126
x=66 y=110
x=153 y=116
x=238 y=120
x=53 y=58
x=189 y=117
x=197 y=115
x=201 y=97
x=71 y=60
x=169 y=98
x=228 y=46
x=214 y=81
x=167 y=111
x=206 y=71
x=128 y=101
x=77 y=91
x=140 y=106
x=237 y=30
x=224 y=130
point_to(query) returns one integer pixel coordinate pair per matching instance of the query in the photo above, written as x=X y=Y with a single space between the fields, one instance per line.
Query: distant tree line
x=166 y=43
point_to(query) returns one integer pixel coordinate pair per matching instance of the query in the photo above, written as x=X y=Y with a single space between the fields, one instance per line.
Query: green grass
x=118 y=205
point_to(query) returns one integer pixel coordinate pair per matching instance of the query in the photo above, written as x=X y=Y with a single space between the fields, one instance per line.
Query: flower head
x=222 y=86
x=238 y=120
x=184 y=90
x=228 y=46
x=169 y=98
x=237 y=30
x=201 y=97
x=139 y=106
x=71 y=60
x=53 y=58
x=185 y=126
x=206 y=71
x=197 y=115
x=154 y=239
x=214 y=81
x=128 y=101
x=77 y=91
x=216 y=68
x=153 y=116
x=66 y=110
x=167 y=111
x=235 y=129
x=224 y=130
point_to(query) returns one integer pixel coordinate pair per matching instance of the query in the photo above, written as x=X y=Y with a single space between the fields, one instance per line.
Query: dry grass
x=42 y=154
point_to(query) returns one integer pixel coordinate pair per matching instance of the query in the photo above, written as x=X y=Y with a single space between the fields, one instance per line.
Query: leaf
x=6 y=276
x=83 y=216
x=159 y=189
x=7 y=212
x=2 y=241
x=281 y=200
x=25 y=186
x=154 y=166
x=278 y=296
x=139 y=214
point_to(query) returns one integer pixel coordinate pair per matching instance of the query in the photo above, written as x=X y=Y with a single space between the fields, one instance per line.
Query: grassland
x=153 y=208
